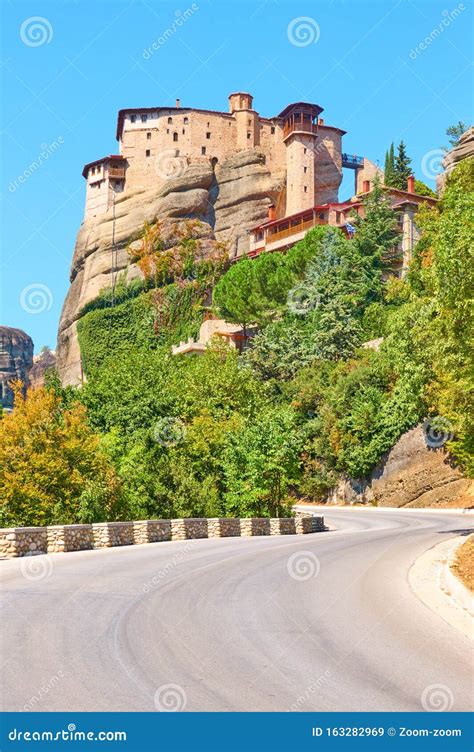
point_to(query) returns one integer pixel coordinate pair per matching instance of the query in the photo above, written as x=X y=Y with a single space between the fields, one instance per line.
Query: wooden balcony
x=116 y=172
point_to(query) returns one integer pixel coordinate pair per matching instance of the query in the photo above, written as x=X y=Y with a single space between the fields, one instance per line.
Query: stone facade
x=28 y=541
x=158 y=143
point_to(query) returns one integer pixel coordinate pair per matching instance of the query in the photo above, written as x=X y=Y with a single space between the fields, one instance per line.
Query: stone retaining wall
x=29 y=541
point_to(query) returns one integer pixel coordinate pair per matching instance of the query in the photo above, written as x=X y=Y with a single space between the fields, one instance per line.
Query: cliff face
x=16 y=359
x=411 y=475
x=42 y=363
x=463 y=150
x=230 y=199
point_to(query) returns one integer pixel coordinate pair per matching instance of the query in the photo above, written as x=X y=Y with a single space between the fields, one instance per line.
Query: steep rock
x=230 y=199
x=16 y=359
x=42 y=363
x=463 y=150
x=411 y=475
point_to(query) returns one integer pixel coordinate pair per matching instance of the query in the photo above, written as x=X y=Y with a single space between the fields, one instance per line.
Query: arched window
x=175 y=136
x=170 y=120
x=186 y=121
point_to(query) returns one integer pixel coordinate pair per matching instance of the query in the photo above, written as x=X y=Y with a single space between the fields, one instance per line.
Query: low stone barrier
x=189 y=527
x=29 y=541
x=69 y=538
x=107 y=534
x=255 y=526
x=151 y=531
x=223 y=527
x=23 y=541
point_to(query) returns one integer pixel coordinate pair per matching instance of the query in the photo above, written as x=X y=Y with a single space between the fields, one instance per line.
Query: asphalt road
x=319 y=622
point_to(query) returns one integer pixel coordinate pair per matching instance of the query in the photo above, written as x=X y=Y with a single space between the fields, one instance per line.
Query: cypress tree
x=389 y=170
x=402 y=169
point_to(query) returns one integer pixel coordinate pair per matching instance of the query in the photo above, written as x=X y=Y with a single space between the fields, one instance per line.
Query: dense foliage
x=306 y=403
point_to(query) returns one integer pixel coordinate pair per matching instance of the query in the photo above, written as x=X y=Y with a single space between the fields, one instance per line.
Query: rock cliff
x=16 y=359
x=230 y=199
x=45 y=361
x=463 y=150
x=411 y=475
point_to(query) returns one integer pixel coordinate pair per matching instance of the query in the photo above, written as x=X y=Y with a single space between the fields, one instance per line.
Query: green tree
x=389 y=169
x=52 y=468
x=423 y=190
x=455 y=132
x=375 y=239
x=403 y=169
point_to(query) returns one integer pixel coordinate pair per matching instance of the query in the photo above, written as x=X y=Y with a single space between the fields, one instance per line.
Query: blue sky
x=65 y=76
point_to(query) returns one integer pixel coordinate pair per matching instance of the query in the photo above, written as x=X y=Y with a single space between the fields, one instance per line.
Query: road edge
x=432 y=581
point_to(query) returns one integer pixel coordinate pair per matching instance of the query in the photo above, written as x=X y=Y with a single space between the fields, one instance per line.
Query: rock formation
x=231 y=199
x=411 y=475
x=16 y=358
x=463 y=150
x=45 y=361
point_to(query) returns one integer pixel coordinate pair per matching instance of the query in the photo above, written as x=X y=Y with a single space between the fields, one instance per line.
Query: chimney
x=271 y=212
x=366 y=186
x=411 y=184
x=178 y=103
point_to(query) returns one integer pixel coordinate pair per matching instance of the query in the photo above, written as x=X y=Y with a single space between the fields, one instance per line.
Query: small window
x=170 y=120
x=147 y=153
x=250 y=122
x=306 y=189
x=133 y=118
x=338 y=216
x=304 y=151
x=208 y=125
x=144 y=118
x=305 y=169
x=203 y=149
x=184 y=131
x=185 y=120
x=176 y=152
x=148 y=135
x=175 y=136
x=167 y=130
x=272 y=129
x=249 y=135
x=208 y=135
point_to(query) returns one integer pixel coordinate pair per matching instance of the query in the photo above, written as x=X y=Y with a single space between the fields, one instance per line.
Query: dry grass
x=463 y=565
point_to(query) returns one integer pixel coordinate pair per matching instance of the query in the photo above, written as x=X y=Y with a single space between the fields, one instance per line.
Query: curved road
x=319 y=622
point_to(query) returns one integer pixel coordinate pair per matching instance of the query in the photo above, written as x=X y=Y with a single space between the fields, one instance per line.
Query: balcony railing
x=299 y=126
x=294 y=229
x=352 y=161
x=116 y=172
